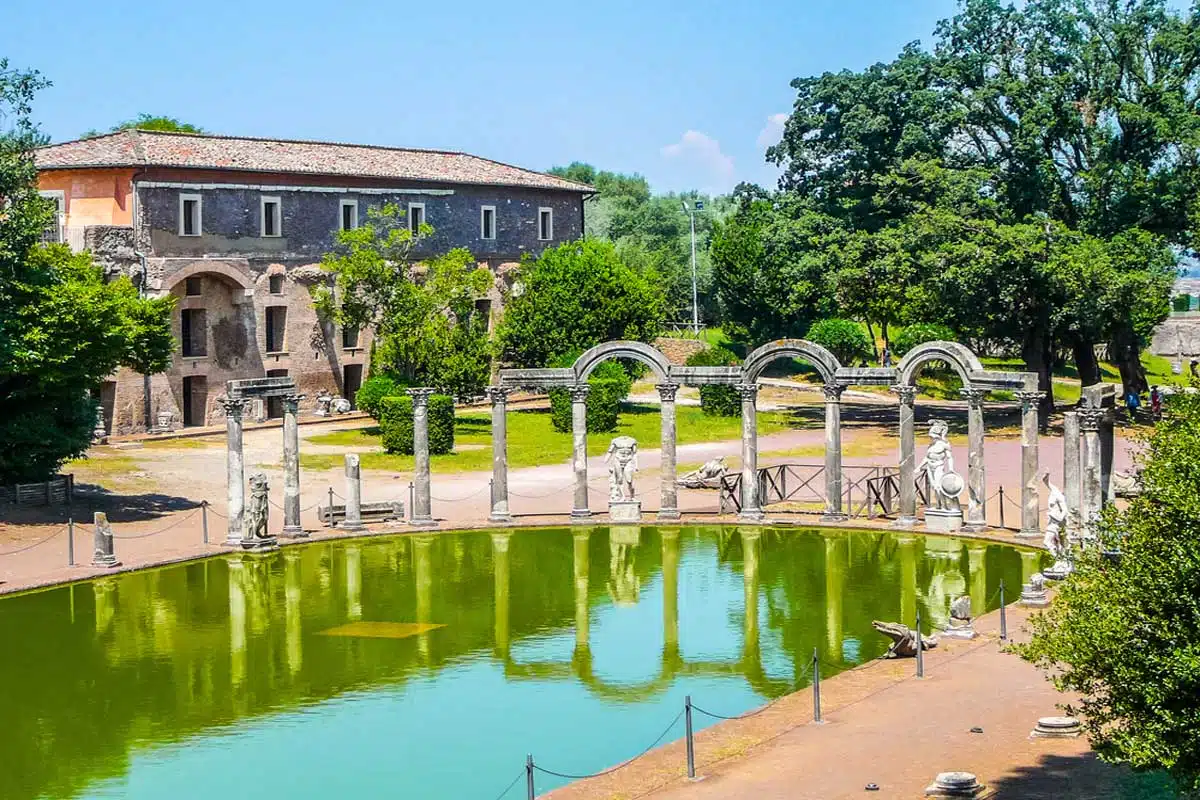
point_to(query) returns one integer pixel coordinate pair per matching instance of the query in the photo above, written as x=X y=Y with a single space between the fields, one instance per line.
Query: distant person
x=1132 y=403
x=886 y=359
x=1156 y=403
x=1192 y=367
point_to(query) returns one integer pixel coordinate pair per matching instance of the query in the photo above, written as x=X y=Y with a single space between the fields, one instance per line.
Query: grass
x=532 y=440
x=184 y=443
x=111 y=470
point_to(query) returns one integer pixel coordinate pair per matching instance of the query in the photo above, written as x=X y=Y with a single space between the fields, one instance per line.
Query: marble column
x=235 y=474
x=421 y=516
x=833 y=453
x=1106 y=456
x=751 y=510
x=1090 y=420
x=579 y=394
x=102 y=543
x=670 y=572
x=353 y=520
x=582 y=613
x=1072 y=472
x=291 y=467
x=499 y=397
x=500 y=575
x=1030 y=526
x=669 y=506
x=976 y=470
x=908 y=446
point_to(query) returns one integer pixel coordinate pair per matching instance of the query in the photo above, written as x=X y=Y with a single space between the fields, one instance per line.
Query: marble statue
x=1033 y=593
x=329 y=404
x=622 y=461
x=1056 y=531
x=904 y=639
x=937 y=467
x=707 y=477
x=254 y=535
x=962 y=621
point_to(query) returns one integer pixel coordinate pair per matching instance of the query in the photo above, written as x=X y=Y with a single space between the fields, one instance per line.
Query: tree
x=1124 y=633
x=149 y=122
x=573 y=297
x=423 y=313
x=842 y=337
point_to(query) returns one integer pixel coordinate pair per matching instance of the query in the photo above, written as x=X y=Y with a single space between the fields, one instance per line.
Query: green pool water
x=429 y=665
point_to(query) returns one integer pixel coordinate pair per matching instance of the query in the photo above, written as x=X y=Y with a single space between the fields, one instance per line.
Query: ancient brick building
x=235 y=229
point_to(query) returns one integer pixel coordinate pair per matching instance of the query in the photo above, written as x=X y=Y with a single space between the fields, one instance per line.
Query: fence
x=59 y=489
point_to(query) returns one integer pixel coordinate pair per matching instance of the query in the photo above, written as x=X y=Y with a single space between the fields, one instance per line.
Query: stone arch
x=825 y=362
x=231 y=274
x=638 y=351
x=964 y=362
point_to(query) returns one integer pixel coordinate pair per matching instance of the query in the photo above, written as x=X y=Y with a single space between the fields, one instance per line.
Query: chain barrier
x=559 y=490
x=746 y=715
x=622 y=765
x=520 y=775
x=33 y=545
x=212 y=510
x=174 y=524
x=475 y=493
x=281 y=508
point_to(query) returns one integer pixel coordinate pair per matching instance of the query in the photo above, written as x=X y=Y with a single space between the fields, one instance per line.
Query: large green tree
x=150 y=122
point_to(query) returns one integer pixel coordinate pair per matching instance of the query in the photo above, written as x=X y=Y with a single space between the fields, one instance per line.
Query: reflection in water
x=516 y=653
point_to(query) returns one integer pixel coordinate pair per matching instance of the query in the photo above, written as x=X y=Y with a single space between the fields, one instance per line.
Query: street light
x=695 y=304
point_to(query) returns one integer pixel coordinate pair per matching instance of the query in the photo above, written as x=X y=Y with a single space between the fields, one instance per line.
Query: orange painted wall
x=94 y=196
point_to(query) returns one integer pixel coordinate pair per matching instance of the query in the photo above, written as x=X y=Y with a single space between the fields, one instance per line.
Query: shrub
x=373 y=390
x=844 y=338
x=609 y=383
x=717 y=400
x=920 y=333
x=396 y=424
x=1181 y=302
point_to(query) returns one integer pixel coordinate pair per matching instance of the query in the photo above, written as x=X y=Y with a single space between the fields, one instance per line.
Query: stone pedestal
x=259 y=544
x=1033 y=594
x=1059 y=570
x=833 y=453
x=908 y=447
x=579 y=393
x=955 y=784
x=102 y=550
x=291 y=468
x=943 y=520
x=1056 y=728
x=625 y=510
x=962 y=631
x=669 y=506
x=422 y=510
x=499 y=397
x=751 y=511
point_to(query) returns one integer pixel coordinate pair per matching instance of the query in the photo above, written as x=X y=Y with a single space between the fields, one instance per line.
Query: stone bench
x=386 y=511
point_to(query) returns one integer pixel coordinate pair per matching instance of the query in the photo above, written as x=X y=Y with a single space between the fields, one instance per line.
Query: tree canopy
x=150 y=122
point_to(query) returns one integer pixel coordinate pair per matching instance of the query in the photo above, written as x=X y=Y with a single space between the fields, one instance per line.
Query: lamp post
x=695 y=304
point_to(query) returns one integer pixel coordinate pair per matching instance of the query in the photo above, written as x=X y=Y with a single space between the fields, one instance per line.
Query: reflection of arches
x=231 y=275
x=638 y=351
x=964 y=362
x=825 y=362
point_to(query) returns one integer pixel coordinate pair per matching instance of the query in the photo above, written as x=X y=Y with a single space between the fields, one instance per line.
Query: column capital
x=1090 y=418
x=234 y=406
x=291 y=402
x=666 y=391
x=973 y=396
x=907 y=394
x=420 y=395
x=579 y=392
x=747 y=391
x=1028 y=399
x=833 y=392
x=497 y=394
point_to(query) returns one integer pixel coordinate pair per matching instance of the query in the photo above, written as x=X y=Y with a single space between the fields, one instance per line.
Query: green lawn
x=532 y=440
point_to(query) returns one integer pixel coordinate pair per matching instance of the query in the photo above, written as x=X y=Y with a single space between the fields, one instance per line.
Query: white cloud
x=772 y=132
x=701 y=156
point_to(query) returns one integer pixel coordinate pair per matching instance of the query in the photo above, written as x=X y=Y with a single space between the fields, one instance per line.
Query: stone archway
x=825 y=362
x=962 y=360
x=637 y=351
x=230 y=274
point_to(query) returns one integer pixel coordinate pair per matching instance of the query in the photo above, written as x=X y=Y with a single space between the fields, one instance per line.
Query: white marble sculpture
x=622 y=461
x=937 y=467
x=1056 y=531
x=707 y=477
x=962 y=621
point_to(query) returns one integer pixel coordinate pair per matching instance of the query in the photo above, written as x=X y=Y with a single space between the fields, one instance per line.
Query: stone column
x=235 y=475
x=500 y=574
x=1106 y=456
x=579 y=394
x=750 y=508
x=976 y=471
x=1072 y=472
x=669 y=507
x=421 y=515
x=291 y=467
x=833 y=453
x=102 y=550
x=1030 y=526
x=353 y=520
x=1090 y=420
x=908 y=446
x=499 y=397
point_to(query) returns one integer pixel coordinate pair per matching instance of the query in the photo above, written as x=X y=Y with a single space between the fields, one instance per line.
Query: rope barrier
x=31 y=546
x=622 y=765
x=520 y=775
x=174 y=524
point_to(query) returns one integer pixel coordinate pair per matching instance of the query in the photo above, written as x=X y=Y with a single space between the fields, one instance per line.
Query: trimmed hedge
x=372 y=392
x=609 y=386
x=717 y=400
x=920 y=333
x=396 y=424
x=842 y=337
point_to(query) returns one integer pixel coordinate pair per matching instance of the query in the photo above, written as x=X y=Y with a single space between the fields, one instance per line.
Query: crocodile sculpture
x=904 y=639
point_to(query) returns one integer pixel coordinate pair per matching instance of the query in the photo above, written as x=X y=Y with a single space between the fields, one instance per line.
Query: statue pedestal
x=943 y=520
x=625 y=510
x=257 y=545
x=966 y=631
x=1058 y=571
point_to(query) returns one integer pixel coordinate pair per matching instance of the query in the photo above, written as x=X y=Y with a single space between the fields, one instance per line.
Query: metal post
x=695 y=296
x=816 y=687
x=70 y=542
x=691 y=749
x=410 y=499
x=1001 y=506
x=920 y=648
x=329 y=510
x=531 y=793
x=204 y=519
x=1003 y=620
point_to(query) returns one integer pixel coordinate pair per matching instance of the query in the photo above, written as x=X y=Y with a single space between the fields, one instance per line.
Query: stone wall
x=1179 y=334
x=678 y=351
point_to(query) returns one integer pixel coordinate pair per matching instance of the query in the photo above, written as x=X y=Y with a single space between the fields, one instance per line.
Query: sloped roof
x=134 y=148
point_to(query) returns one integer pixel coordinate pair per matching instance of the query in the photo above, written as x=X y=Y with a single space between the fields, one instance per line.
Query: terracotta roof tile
x=132 y=148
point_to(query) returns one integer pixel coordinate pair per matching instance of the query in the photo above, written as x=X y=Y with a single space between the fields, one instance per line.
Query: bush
x=609 y=383
x=844 y=338
x=717 y=400
x=374 y=389
x=1181 y=302
x=918 y=334
x=396 y=424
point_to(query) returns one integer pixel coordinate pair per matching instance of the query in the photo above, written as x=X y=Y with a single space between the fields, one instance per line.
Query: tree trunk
x=1127 y=356
x=1086 y=363
x=1034 y=351
x=146 y=402
x=874 y=347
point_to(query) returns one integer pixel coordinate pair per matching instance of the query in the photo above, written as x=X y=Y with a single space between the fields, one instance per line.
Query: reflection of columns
x=237 y=621
x=291 y=466
x=1089 y=424
x=908 y=577
x=670 y=572
x=500 y=572
x=353 y=582
x=1030 y=563
x=423 y=578
x=1072 y=472
x=353 y=519
x=751 y=538
x=579 y=394
x=292 y=613
x=235 y=475
x=835 y=577
x=976 y=471
x=977 y=577
x=833 y=452
x=669 y=507
x=582 y=619
x=908 y=446
x=750 y=499
x=102 y=594
x=422 y=506
x=499 y=397
x=1029 y=463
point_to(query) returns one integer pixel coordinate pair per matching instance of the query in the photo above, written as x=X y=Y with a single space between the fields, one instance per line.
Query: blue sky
x=688 y=94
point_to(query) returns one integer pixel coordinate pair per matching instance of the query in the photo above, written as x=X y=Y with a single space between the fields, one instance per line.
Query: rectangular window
x=189 y=215
x=276 y=322
x=275 y=404
x=275 y=284
x=271 y=222
x=487 y=222
x=349 y=338
x=416 y=216
x=193 y=333
x=349 y=215
x=545 y=224
x=55 y=232
x=193 y=287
